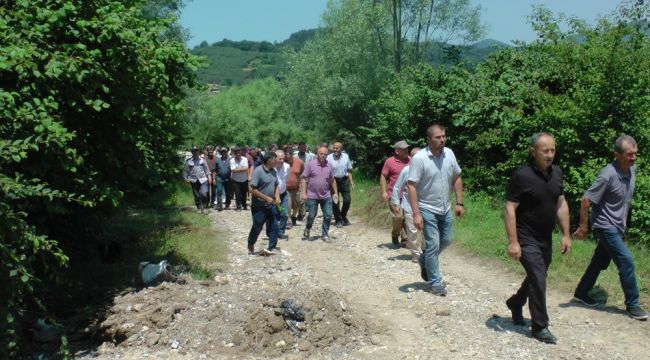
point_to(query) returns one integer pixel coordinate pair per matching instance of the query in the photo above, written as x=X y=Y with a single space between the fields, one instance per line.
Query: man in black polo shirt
x=534 y=200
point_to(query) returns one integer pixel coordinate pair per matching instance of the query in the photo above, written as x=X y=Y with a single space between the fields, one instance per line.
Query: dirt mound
x=265 y=307
x=327 y=321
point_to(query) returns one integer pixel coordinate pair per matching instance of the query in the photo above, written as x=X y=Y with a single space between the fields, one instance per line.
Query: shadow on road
x=400 y=257
x=420 y=285
x=503 y=324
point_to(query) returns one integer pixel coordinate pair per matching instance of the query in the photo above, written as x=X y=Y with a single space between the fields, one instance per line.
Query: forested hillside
x=236 y=62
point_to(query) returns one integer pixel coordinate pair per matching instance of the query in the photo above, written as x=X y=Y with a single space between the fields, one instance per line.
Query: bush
x=90 y=104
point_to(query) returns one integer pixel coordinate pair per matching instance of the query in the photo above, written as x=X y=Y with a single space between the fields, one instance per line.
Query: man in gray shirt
x=433 y=173
x=610 y=197
x=265 y=195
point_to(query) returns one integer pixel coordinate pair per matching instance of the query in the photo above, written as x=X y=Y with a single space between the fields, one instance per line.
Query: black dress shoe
x=517 y=313
x=545 y=336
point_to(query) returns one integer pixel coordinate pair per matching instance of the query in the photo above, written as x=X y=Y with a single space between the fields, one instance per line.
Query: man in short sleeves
x=534 y=201
x=610 y=197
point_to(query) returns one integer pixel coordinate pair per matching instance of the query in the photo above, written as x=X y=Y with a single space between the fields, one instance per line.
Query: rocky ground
x=360 y=299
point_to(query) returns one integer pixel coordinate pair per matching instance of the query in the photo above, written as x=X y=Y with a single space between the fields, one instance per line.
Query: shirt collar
x=430 y=154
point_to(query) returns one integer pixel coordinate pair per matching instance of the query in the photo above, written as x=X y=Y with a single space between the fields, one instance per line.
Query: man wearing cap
x=399 y=197
x=342 y=171
x=389 y=173
x=239 y=177
x=196 y=173
x=222 y=177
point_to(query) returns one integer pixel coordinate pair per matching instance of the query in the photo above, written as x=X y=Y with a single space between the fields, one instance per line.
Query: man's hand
x=418 y=222
x=565 y=244
x=335 y=198
x=580 y=233
x=268 y=200
x=303 y=196
x=514 y=251
x=351 y=185
x=459 y=211
x=384 y=196
x=394 y=208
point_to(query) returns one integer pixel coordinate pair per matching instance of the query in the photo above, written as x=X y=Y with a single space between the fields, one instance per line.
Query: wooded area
x=98 y=97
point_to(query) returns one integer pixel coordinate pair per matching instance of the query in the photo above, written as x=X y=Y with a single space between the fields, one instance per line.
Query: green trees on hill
x=90 y=108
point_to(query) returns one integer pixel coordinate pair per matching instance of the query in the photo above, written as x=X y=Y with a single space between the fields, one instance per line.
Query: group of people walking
x=284 y=184
x=418 y=192
x=417 y=186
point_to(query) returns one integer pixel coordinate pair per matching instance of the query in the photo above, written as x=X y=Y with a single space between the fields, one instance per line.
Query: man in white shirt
x=342 y=171
x=239 y=178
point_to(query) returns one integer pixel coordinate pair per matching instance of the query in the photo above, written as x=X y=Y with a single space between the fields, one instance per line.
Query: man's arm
x=333 y=190
x=458 y=189
x=383 y=184
x=351 y=180
x=510 y=219
x=583 y=229
x=563 y=220
x=258 y=194
x=303 y=188
x=413 y=200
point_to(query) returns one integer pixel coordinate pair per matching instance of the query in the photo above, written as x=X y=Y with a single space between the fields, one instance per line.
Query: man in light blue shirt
x=399 y=196
x=342 y=171
x=433 y=173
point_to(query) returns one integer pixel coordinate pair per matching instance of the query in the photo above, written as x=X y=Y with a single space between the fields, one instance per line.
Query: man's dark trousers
x=536 y=258
x=343 y=187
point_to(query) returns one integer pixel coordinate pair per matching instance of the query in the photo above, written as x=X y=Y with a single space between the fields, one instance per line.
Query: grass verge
x=481 y=233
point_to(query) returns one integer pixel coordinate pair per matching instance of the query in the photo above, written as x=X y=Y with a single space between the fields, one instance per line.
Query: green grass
x=481 y=233
x=174 y=232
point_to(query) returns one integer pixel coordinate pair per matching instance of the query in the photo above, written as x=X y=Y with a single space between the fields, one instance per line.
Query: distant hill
x=235 y=62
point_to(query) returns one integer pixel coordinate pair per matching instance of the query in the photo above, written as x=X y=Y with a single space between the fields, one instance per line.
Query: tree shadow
x=505 y=324
x=85 y=290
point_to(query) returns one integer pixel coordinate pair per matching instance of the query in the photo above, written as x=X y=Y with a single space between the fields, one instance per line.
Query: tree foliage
x=254 y=113
x=585 y=85
x=90 y=104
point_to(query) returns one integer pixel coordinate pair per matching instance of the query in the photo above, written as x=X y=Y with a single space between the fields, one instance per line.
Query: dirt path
x=472 y=321
x=384 y=312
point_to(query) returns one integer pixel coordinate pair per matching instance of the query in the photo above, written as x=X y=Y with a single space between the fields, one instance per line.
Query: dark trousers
x=200 y=192
x=264 y=215
x=536 y=258
x=240 y=189
x=341 y=210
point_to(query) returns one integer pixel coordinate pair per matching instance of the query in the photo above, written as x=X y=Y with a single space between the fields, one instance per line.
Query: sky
x=275 y=20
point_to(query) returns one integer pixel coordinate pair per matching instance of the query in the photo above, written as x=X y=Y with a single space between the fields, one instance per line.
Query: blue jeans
x=326 y=207
x=264 y=215
x=223 y=188
x=281 y=217
x=611 y=248
x=437 y=236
